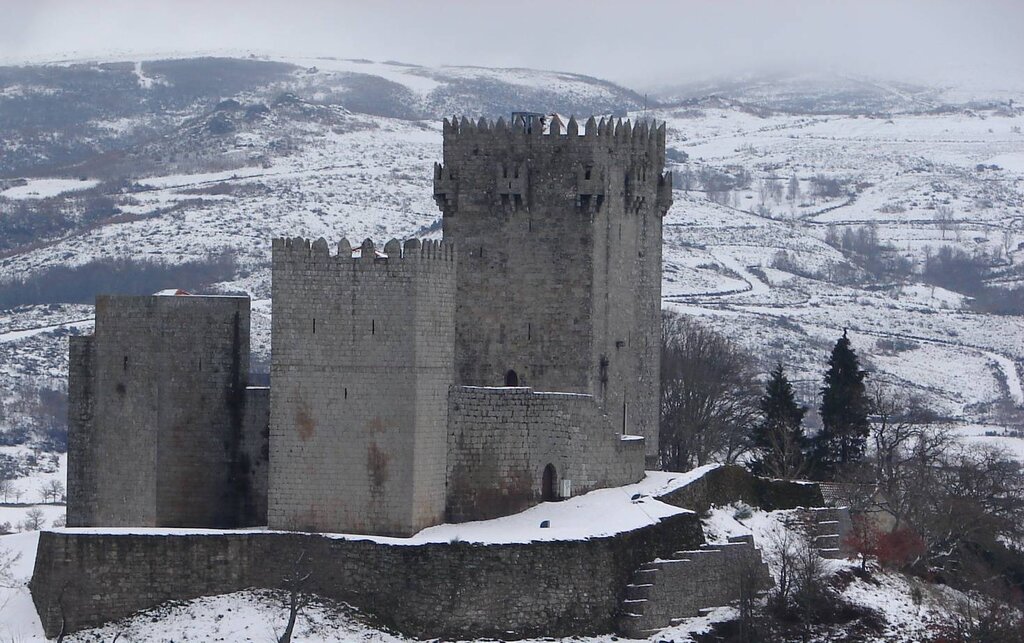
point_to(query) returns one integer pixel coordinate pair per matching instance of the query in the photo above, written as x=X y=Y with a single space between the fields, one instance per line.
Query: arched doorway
x=548 y=483
x=511 y=378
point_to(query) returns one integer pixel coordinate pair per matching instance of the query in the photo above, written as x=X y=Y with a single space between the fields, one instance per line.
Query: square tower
x=558 y=239
x=361 y=363
x=160 y=433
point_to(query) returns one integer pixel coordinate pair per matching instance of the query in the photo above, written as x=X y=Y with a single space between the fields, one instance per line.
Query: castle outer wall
x=158 y=432
x=559 y=246
x=449 y=590
x=362 y=354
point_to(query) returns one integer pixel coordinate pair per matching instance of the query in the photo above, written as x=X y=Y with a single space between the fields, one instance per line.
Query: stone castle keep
x=515 y=361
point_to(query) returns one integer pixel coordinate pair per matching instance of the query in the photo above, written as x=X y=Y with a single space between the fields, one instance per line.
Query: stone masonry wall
x=361 y=362
x=157 y=411
x=82 y=491
x=500 y=440
x=558 y=238
x=442 y=590
x=255 y=448
x=732 y=483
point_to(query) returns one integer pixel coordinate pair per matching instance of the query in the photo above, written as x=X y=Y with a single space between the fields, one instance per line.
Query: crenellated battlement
x=300 y=248
x=501 y=165
x=609 y=132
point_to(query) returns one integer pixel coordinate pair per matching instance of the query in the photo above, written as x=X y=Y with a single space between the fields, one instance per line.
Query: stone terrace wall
x=442 y=590
x=732 y=483
x=500 y=440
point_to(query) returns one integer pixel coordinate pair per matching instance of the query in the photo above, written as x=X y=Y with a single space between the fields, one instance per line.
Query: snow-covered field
x=45 y=188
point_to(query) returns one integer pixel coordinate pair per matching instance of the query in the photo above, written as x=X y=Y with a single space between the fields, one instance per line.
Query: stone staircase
x=827 y=528
x=663 y=592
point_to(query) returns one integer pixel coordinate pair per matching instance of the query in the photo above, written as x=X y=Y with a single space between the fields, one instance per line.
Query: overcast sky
x=638 y=43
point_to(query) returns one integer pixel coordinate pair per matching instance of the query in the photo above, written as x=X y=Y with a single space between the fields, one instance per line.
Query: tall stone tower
x=362 y=354
x=162 y=430
x=558 y=235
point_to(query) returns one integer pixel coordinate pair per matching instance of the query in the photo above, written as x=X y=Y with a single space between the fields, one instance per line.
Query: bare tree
x=298 y=597
x=33 y=520
x=6 y=487
x=52 y=491
x=944 y=217
x=793 y=189
x=708 y=395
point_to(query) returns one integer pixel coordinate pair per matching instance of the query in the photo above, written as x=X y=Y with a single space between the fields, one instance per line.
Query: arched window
x=547 y=484
x=511 y=378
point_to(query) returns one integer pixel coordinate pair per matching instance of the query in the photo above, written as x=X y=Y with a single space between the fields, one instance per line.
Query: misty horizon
x=656 y=44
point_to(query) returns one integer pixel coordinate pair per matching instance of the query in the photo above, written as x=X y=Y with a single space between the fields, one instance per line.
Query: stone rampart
x=444 y=590
x=732 y=483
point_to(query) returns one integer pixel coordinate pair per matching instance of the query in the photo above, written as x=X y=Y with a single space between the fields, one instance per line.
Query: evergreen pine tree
x=844 y=412
x=778 y=439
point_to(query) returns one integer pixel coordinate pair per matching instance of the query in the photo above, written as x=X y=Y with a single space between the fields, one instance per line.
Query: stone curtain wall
x=158 y=406
x=500 y=440
x=732 y=483
x=559 y=243
x=361 y=363
x=444 y=590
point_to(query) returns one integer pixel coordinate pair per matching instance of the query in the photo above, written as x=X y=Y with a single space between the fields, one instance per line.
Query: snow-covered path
x=17 y=335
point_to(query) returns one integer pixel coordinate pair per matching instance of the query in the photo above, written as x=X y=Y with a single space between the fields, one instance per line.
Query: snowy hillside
x=183 y=171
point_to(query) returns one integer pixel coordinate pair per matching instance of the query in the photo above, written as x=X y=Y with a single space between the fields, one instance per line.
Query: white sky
x=636 y=43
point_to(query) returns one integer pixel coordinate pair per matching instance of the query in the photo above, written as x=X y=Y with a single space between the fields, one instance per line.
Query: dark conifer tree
x=778 y=439
x=844 y=413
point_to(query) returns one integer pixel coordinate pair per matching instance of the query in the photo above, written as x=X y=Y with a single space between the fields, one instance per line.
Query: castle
x=514 y=362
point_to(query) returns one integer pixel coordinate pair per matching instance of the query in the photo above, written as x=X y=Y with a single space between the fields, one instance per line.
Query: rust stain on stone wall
x=377 y=465
x=305 y=423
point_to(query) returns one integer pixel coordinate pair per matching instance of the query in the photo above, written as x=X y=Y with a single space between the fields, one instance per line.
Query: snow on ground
x=909 y=606
x=604 y=512
x=14 y=515
x=17 y=335
x=992 y=436
x=45 y=188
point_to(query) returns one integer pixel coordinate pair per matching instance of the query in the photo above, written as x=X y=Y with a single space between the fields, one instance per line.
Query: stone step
x=830 y=541
x=629 y=625
x=695 y=582
x=634 y=591
x=634 y=605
